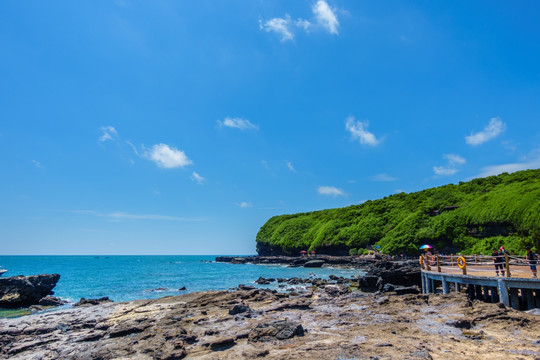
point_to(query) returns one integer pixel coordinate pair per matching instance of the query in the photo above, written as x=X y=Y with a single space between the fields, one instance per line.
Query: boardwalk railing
x=505 y=262
x=516 y=292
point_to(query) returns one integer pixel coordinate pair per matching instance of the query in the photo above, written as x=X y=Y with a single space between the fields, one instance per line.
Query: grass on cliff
x=471 y=217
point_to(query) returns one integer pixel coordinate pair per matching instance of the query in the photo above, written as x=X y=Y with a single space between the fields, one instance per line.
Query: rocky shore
x=296 y=261
x=329 y=321
x=381 y=315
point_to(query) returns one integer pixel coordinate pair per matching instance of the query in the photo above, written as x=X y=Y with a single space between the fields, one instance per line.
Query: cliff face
x=472 y=217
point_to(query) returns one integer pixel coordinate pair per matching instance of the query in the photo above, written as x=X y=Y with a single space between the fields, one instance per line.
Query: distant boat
x=2 y=271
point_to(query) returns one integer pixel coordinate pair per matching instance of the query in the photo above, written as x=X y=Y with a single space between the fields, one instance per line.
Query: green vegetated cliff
x=472 y=217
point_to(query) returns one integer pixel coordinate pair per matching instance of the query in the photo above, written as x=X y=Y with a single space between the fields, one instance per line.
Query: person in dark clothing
x=533 y=260
x=498 y=260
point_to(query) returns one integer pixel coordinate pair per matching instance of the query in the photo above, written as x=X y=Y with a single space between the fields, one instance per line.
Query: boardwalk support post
x=445 y=286
x=507 y=265
x=503 y=292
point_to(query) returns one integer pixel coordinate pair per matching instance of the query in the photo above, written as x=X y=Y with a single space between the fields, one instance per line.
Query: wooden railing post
x=452 y=259
x=507 y=265
x=475 y=259
x=438 y=263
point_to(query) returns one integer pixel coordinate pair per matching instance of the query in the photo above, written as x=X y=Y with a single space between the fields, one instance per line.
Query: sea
x=124 y=278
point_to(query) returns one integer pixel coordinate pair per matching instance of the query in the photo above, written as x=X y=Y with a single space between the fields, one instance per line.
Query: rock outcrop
x=295 y=261
x=24 y=291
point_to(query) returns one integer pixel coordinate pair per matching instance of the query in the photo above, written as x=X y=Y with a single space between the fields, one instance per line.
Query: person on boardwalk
x=533 y=259
x=498 y=260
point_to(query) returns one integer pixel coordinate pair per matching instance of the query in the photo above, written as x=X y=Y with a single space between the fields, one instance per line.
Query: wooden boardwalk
x=478 y=275
x=486 y=270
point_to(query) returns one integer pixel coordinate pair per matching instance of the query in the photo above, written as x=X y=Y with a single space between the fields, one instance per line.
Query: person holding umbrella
x=429 y=255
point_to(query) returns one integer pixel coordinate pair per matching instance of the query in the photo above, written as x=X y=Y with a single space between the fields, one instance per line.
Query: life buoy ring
x=461 y=262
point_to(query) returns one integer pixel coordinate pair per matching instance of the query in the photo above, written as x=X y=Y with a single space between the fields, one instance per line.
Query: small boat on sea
x=2 y=271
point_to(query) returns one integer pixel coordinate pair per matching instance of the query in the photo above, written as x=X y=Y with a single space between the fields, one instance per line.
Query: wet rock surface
x=329 y=321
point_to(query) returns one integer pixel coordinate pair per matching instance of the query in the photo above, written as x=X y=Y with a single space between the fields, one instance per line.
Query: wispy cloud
x=244 y=204
x=280 y=26
x=492 y=130
x=167 y=157
x=107 y=133
x=133 y=147
x=197 y=178
x=267 y=167
x=324 y=17
x=290 y=166
x=37 y=164
x=383 y=178
x=330 y=191
x=532 y=163
x=119 y=215
x=238 y=123
x=453 y=161
x=358 y=130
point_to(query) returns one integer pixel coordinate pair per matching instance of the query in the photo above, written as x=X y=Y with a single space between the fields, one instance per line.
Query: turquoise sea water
x=123 y=278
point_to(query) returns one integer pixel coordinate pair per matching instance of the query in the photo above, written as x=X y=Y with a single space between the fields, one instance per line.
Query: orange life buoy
x=461 y=262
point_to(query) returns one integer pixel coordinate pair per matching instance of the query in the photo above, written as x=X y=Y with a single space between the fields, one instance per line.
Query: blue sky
x=180 y=127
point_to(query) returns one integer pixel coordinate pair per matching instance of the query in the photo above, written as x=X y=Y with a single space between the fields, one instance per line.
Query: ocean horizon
x=135 y=277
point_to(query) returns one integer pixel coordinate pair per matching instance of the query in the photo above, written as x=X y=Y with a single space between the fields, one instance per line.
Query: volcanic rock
x=314 y=264
x=280 y=330
x=23 y=291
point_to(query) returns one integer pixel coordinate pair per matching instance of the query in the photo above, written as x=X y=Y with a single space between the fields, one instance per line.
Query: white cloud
x=238 y=123
x=326 y=17
x=197 y=178
x=453 y=161
x=330 y=191
x=167 y=157
x=280 y=26
x=244 y=204
x=108 y=133
x=533 y=163
x=492 y=130
x=358 y=130
x=290 y=166
x=37 y=164
x=304 y=24
x=444 y=170
x=383 y=178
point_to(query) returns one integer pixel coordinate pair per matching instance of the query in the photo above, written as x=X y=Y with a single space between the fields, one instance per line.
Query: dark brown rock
x=51 y=301
x=279 y=330
x=92 y=302
x=23 y=291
